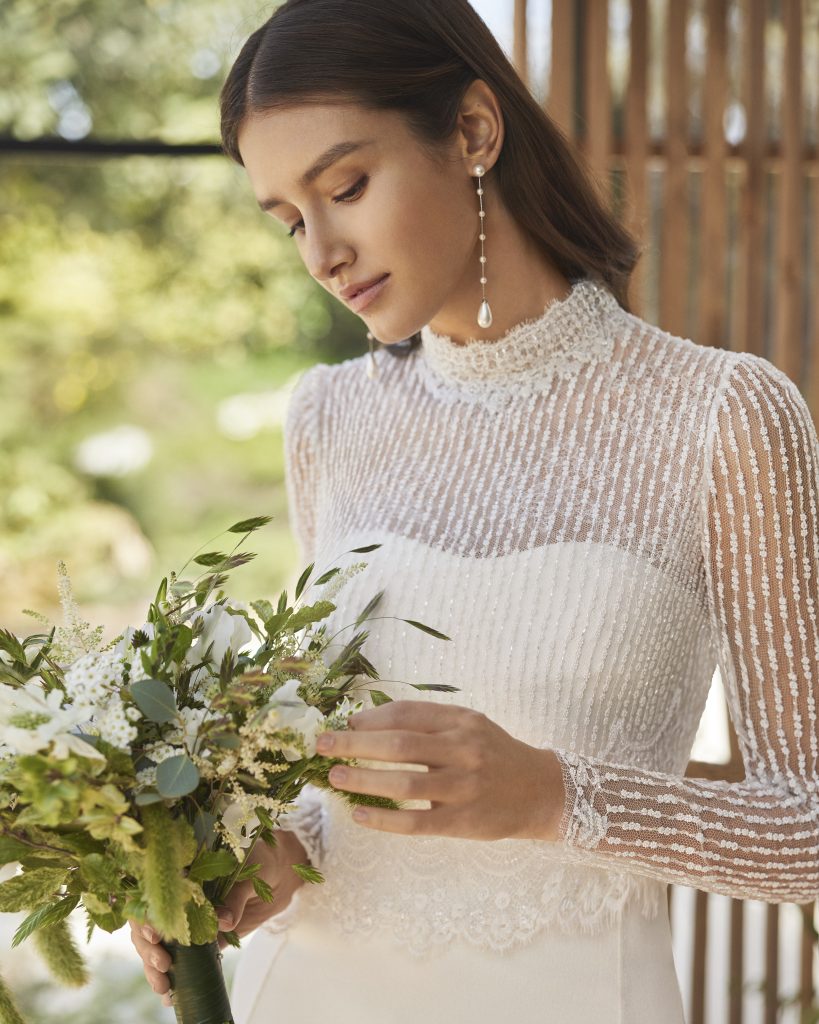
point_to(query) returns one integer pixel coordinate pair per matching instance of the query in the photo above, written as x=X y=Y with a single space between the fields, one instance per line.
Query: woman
x=595 y=511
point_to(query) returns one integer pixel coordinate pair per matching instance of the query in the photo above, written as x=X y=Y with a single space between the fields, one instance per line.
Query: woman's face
x=386 y=207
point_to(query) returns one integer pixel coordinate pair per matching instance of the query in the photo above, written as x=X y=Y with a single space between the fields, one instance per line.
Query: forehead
x=278 y=146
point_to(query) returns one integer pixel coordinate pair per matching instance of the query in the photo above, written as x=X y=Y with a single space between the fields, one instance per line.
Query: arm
x=301 y=448
x=759 y=838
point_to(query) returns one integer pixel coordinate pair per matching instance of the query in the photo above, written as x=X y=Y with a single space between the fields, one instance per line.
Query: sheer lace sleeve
x=301 y=445
x=759 y=838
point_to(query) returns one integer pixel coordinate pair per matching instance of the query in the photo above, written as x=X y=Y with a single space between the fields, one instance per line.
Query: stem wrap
x=199 y=992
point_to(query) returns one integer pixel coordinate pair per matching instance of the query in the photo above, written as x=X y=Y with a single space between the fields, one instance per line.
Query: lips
x=369 y=284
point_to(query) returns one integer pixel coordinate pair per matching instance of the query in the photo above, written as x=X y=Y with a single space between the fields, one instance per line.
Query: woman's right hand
x=242 y=910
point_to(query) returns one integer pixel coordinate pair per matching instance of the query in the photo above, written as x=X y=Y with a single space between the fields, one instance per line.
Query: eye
x=349 y=196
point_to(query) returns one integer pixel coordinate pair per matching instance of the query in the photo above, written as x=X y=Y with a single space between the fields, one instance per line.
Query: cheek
x=433 y=229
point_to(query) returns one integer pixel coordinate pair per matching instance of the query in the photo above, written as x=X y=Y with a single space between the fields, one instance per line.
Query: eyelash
x=355 y=191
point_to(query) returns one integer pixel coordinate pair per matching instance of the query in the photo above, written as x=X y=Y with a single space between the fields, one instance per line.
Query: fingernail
x=149 y=934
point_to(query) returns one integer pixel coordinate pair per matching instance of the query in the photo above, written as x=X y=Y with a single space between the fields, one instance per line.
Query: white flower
x=223 y=630
x=190 y=721
x=289 y=711
x=92 y=679
x=113 y=723
x=32 y=720
x=234 y=816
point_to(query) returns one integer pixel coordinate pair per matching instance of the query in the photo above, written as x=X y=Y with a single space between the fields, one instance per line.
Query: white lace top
x=597 y=513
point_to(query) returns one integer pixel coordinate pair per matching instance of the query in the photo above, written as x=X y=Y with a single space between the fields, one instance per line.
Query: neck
x=521 y=280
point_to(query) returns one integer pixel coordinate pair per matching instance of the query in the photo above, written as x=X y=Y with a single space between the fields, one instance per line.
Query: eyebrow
x=326 y=160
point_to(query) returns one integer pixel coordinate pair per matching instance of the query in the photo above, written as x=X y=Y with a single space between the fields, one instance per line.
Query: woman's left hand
x=482 y=783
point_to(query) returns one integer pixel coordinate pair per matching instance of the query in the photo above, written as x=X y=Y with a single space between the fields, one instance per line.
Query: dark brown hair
x=418 y=57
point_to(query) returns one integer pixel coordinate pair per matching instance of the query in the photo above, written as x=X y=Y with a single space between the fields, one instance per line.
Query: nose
x=324 y=256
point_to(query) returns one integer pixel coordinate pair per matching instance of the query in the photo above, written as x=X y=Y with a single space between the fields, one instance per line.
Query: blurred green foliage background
x=152 y=319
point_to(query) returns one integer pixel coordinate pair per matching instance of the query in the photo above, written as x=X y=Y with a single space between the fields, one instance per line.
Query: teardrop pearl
x=485 y=315
x=371 y=370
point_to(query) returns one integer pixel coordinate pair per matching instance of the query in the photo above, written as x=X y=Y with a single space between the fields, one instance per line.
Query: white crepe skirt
x=314 y=972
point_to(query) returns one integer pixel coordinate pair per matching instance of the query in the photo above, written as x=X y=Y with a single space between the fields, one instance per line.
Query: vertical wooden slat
x=520 y=50
x=771 y=962
x=700 y=958
x=597 y=115
x=806 y=987
x=674 y=255
x=749 y=315
x=713 y=234
x=636 y=145
x=562 y=78
x=787 y=347
x=736 y=964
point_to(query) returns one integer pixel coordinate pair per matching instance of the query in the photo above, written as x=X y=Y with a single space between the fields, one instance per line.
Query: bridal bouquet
x=136 y=777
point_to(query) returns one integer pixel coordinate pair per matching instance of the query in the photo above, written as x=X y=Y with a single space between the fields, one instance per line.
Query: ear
x=480 y=126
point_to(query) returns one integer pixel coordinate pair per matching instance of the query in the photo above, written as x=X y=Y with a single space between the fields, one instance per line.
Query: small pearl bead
x=482 y=237
x=483 y=280
x=482 y=213
x=483 y=259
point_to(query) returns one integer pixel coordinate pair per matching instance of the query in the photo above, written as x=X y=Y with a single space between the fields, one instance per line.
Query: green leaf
x=327 y=576
x=426 y=629
x=308 y=873
x=211 y=558
x=440 y=687
x=363 y=551
x=380 y=698
x=249 y=525
x=204 y=927
x=264 y=609
x=275 y=622
x=21 y=891
x=177 y=776
x=310 y=613
x=181 y=644
x=248 y=870
x=369 y=608
x=232 y=939
x=212 y=864
x=42 y=916
x=203 y=828
x=163 y=880
x=12 y=849
x=100 y=874
x=155 y=700
x=263 y=890
x=282 y=601
x=147 y=796
x=305 y=576
x=9 y=1014
x=56 y=946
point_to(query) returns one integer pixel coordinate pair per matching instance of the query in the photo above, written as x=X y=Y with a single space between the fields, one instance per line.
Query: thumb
x=230 y=912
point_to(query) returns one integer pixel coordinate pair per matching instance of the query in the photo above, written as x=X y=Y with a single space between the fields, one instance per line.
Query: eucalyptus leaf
x=147 y=796
x=177 y=776
x=155 y=700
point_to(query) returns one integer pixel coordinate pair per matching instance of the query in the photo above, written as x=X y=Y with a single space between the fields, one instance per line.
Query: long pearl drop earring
x=484 y=313
x=372 y=369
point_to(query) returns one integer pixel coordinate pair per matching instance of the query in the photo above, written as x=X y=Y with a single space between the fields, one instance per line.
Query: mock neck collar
x=568 y=334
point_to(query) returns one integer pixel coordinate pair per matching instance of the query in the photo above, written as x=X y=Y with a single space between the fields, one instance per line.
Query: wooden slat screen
x=728 y=243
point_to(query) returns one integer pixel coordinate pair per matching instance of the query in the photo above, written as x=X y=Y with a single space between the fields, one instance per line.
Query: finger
x=438 y=784
x=152 y=954
x=425 y=715
x=233 y=905
x=395 y=745
x=158 y=981
x=406 y=823
x=145 y=929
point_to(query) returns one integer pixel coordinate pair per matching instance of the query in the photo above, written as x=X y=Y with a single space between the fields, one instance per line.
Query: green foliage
x=56 y=945
x=167 y=853
x=176 y=776
x=21 y=891
x=154 y=699
x=212 y=864
x=47 y=914
x=9 y=1014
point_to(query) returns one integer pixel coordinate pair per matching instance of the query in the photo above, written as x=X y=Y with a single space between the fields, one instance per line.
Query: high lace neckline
x=568 y=334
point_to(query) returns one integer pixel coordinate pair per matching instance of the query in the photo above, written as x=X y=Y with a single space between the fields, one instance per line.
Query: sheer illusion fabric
x=598 y=513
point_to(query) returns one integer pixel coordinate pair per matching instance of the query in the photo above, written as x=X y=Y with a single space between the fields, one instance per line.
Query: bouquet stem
x=199 y=992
